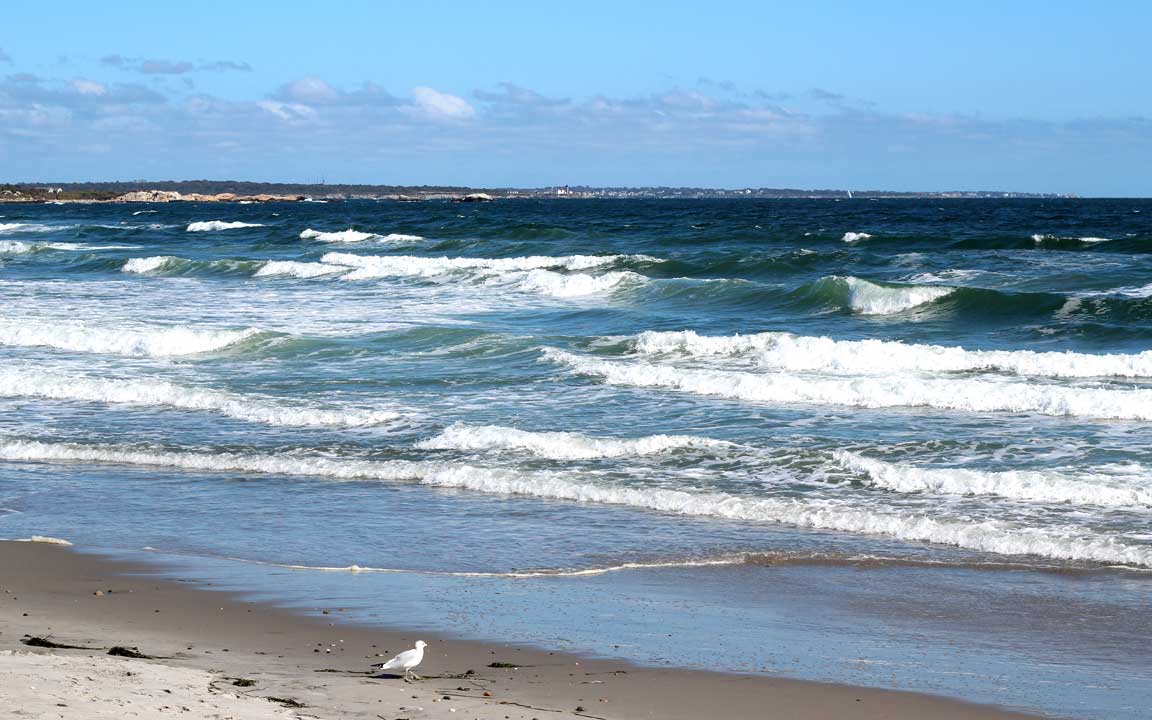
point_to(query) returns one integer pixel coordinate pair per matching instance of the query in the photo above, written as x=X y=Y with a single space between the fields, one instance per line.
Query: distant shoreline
x=243 y=191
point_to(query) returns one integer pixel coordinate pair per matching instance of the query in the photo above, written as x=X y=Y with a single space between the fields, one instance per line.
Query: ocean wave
x=561 y=445
x=972 y=395
x=351 y=236
x=559 y=285
x=150 y=264
x=157 y=342
x=412 y=265
x=17 y=247
x=79 y=387
x=1065 y=542
x=799 y=353
x=7 y=228
x=851 y=237
x=868 y=298
x=1058 y=241
x=214 y=225
x=529 y=274
x=172 y=265
x=346 y=236
x=1030 y=485
x=296 y=269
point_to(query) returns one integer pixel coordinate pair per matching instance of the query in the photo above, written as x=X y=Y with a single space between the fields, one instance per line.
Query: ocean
x=899 y=443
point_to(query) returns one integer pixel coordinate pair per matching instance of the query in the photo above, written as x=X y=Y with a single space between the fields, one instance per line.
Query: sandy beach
x=215 y=655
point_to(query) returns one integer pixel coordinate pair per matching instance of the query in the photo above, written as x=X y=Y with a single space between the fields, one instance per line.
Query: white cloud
x=309 y=91
x=89 y=87
x=436 y=105
x=289 y=112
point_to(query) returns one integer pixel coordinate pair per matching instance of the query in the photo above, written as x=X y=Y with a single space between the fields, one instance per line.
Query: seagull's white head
x=420 y=644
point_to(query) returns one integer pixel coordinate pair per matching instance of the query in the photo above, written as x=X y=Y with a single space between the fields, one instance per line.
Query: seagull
x=406 y=661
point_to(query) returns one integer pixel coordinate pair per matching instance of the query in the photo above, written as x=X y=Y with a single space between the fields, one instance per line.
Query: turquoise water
x=898 y=443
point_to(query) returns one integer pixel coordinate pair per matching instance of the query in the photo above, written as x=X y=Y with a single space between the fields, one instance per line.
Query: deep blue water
x=899 y=443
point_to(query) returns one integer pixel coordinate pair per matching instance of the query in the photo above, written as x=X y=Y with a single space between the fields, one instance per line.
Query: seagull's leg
x=414 y=675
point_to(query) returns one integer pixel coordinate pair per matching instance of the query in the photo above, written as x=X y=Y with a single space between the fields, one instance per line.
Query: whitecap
x=148 y=392
x=128 y=341
x=150 y=264
x=1031 y=485
x=868 y=298
x=786 y=351
x=562 y=445
x=296 y=269
x=884 y=391
x=1063 y=542
x=214 y=225
x=346 y=236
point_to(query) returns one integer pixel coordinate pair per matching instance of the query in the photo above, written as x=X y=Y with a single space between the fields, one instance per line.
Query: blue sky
x=1036 y=96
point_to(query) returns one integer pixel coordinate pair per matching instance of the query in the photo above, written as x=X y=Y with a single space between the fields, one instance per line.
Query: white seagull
x=406 y=660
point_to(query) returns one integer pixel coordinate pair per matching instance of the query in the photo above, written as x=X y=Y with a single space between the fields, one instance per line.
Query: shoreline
x=213 y=636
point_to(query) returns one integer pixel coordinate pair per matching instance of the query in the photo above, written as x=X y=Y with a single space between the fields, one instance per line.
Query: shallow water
x=898 y=443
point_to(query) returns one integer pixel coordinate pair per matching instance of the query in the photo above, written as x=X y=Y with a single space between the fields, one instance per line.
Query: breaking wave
x=1065 y=543
x=869 y=298
x=851 y=237
x=73 y=386
x=151 y=264
x=6 y=228
x=351 y=236
x=17 y=247
x=554 y=284
x=799 y=353
x=158 y=342
x=1034 y=486
x=411 y=265
x=973 y=395
x=531 y=274
x=170 y=264
x=1058 y=241
x=296 y=269
x=214 y=225
x=561 y=445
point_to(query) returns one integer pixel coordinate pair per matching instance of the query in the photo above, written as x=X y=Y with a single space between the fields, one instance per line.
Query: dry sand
x=205 y=641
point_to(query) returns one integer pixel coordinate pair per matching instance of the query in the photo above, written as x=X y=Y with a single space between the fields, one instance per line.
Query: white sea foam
x=137 y=342
x=799 y=353
x=1066 y=542
x=1135 y=291
x=149 y=264
x=1038 y=239
x=214 y=225
x=401 y=237
x=868 y=298
x=346 y=236
x=410 y=265
x=47 y=540
x=530 y=274
x=17 y=247
x=293 y=268
x=1039 y=486
x=974 y=395
x=7 y=228
x=562 y=445
x=73 y=386
x=851 y=237
x=555 y=284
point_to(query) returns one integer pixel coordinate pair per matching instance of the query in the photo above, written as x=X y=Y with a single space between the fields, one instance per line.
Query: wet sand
x=204 y=641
